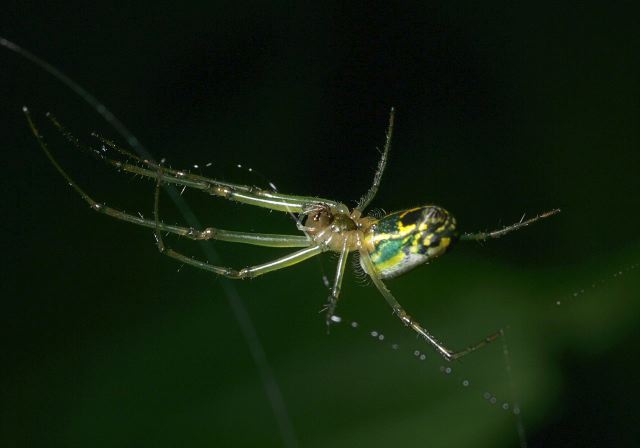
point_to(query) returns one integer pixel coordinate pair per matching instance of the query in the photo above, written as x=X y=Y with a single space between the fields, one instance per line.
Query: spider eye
x=406 y=239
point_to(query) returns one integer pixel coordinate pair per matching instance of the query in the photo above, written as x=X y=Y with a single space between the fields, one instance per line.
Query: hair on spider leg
x=377 y=213
x=110 y=144
x=96 y=154
x=362 y=278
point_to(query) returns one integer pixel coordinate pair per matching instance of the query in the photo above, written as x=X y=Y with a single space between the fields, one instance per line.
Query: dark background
x=501 y=110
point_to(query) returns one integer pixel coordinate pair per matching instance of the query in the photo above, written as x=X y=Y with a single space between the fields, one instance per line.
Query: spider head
x=400 y=241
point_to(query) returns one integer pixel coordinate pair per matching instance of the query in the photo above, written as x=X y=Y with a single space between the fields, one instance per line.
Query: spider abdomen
x=403 y=240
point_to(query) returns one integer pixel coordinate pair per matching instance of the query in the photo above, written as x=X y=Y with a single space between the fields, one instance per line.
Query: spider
x=387 y=247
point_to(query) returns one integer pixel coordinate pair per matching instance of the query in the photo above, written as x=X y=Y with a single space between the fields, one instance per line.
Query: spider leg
x=482 y=236
x=368 y=197
x=247 y=272
x=235 y=192
x=210 y=233
x=337 y=283
x=446 y=353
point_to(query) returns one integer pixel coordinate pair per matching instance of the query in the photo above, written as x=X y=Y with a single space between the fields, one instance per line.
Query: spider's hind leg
x=445 y=352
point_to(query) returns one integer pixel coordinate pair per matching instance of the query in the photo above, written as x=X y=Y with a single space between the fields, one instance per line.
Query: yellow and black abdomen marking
x=406 y=239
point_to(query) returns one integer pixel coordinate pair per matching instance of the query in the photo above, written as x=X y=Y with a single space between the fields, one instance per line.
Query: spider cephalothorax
x=334 y=229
